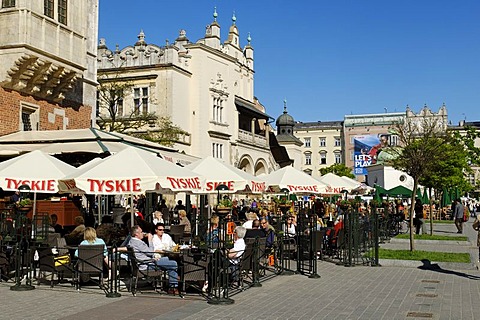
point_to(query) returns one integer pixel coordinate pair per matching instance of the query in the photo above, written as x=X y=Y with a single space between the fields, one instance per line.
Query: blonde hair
x=90 y=234
x=182 y=213
x=214 y=220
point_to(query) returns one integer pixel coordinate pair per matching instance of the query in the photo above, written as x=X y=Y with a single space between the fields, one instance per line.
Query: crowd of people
x=252 y=219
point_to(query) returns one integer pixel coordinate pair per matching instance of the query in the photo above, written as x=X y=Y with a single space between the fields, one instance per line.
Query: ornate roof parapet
x=144 y=54
x=141 y=54
x=41 y=78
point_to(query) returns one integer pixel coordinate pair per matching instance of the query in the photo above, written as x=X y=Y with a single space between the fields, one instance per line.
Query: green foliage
x=25 y=202
x=226 y=202
x=339 y=169
x=467 y=140
x=449 y=167
x=165 y=132
x=421 y=143
x=283 y=200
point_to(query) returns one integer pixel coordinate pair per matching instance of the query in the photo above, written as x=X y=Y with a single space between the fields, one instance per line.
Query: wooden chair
x=90 y=262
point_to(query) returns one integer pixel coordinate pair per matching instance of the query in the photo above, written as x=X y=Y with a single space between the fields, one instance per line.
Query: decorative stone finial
x=141 y=36
x=117 y=48
x=285 y=105
x=249 y=39
x=215 y=14
x=234 y=18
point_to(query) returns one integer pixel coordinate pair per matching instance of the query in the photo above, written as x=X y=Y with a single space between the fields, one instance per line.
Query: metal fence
x=354 y=242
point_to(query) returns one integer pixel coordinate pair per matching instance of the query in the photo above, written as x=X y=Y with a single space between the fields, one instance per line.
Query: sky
x=331 y=58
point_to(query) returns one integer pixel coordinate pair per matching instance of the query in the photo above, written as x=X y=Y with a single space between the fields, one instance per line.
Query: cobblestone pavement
x=441 y=291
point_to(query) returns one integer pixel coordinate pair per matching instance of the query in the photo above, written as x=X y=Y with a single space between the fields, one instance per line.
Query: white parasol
x=296 y=181
x=217 y=173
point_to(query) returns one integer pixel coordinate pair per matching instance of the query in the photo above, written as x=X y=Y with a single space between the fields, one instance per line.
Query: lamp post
x=22 y=249
x=220 y=187
x=219 y=263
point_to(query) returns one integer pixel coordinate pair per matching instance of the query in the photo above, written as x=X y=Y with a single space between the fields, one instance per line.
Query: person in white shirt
x=161 y=240
x=250 y=216
x=235 y=254
x=157 y=217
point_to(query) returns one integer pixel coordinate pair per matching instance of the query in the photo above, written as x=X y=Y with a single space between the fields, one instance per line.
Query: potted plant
x=25 y=203
x=225 y=203
x=283 y=202
x=224 y=206
x=345 y=204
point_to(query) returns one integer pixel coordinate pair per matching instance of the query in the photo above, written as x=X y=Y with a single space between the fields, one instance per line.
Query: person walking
x=418 y=220
x=458 y=214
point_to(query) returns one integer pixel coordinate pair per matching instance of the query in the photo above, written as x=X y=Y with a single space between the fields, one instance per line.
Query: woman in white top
x=157 y=217
x=290 y=227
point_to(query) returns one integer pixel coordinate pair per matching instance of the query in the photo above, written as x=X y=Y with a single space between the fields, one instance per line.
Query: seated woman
x=290 y=230
x=157 y=217
x=212 y=236
x=90 y=238
x=182 y=214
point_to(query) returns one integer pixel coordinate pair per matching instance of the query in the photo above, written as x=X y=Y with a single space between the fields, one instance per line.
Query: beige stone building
x=205 y=87
x=47 y=64
x=322 y=145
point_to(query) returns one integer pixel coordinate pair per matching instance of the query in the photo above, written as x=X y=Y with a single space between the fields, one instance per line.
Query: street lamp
x=220 y=187
x=24 y=190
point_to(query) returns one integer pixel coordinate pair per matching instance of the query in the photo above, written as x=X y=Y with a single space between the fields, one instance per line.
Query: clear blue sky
x=331 y=58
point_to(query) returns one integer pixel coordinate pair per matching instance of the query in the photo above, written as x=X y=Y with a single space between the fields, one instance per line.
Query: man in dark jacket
x=458 y=214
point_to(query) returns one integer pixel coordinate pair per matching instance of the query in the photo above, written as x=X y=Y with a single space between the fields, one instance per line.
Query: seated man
x=255 y=232
x=145 y=253
x=53 y=223
x=269 y=231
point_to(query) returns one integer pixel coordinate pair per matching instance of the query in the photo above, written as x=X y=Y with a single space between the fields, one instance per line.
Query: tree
x=339 y=169
x=421 y=142
x=111 y=93
x=165 y=133
x=448 y=170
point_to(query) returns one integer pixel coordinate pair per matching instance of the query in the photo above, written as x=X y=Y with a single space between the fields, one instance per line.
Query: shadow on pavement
x=427 y=265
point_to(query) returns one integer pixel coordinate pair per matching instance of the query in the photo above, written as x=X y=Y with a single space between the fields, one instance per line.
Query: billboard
x=366 y=152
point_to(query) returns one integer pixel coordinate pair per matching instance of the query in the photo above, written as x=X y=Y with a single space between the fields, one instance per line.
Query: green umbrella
x=425 y=199
x=400 y=191
x=419 y=194
x=380 y=190
x=446 y=200
x=457 y=193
